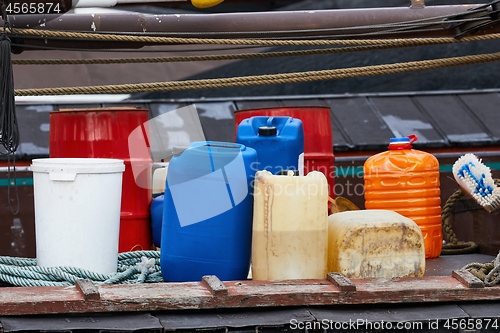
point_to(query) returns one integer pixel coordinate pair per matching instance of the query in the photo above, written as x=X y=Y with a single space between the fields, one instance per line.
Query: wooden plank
x=304 y=102
x=217 y=120
x=403 y=117
x=231 y=320
x=392 y=313
x=31 y=120
x=454 y=119
x=88 y=289
x=485 y=108
x=467 y=279
x=89 y=322
x=258 y=104
x=341 y=282
x=216 y=286
x=339 y=137
x=241 y=294
x=159 y=108
x=362 y=126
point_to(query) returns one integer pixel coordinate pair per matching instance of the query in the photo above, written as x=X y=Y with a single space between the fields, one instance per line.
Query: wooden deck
x=211 y=293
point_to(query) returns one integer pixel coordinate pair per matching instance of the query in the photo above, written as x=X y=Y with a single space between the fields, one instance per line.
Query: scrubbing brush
x=475 y=179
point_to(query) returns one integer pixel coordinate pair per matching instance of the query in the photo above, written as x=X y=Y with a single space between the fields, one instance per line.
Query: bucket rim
x=77 y=165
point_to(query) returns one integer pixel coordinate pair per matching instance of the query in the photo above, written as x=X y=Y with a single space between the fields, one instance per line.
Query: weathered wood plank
x=88 y=289
x=467 y=279
x=216 y=286
x=341 y=282
x=248 y=293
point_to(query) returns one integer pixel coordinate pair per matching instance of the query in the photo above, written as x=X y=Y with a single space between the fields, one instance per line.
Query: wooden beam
x=467 y=279
x=341 y=282
x=216 y=286
x=240 y=294
x=88 y=289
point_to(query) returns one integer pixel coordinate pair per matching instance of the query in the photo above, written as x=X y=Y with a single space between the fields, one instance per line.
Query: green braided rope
x=17 y=261
x=131 y=269
x=25 y=282
x=26 y=273
x=138 y=255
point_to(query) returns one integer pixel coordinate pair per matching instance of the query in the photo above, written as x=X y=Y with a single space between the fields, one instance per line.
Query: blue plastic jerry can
x=208 y=211
x=279 y=142
x=156 y=210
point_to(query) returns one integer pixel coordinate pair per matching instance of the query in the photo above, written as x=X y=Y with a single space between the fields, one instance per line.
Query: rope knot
x=489 y=273
x=145 y=266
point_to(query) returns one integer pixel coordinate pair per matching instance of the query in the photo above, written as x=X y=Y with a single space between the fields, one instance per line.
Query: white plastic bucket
x=77 y=212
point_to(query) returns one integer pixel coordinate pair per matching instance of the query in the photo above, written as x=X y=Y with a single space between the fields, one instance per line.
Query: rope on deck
x=133 y=267
x=453 y=246
x=489 y=273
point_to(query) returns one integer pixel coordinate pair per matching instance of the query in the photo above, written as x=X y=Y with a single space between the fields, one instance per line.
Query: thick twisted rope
x=255 y=42
x=132 y=267
x=489 y=273
x=252 y=80
x=453 y=246
x=446 y=213
x=107 y=61
x=267 y=79
x=381 y=45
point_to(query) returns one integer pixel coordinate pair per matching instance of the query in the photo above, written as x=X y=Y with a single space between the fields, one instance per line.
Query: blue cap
x=400 y=140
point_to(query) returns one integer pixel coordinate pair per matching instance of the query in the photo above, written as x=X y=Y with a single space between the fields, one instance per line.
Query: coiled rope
x=453 y=246
x=133 y=267
x=489 y=273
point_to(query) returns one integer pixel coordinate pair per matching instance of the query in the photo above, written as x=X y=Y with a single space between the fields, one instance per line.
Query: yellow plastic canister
x=290 y=226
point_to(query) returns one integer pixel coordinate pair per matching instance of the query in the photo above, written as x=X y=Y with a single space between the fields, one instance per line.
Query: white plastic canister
x=290 y=226
x=77 y=212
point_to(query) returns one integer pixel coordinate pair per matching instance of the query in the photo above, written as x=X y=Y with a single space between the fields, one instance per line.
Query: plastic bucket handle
x=62 y=176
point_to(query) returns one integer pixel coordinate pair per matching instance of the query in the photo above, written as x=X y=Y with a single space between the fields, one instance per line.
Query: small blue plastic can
x=208 y=213
x=279 y=142
x=156 y=210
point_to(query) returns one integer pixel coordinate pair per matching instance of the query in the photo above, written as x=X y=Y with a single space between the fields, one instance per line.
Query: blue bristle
x=481 y=188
